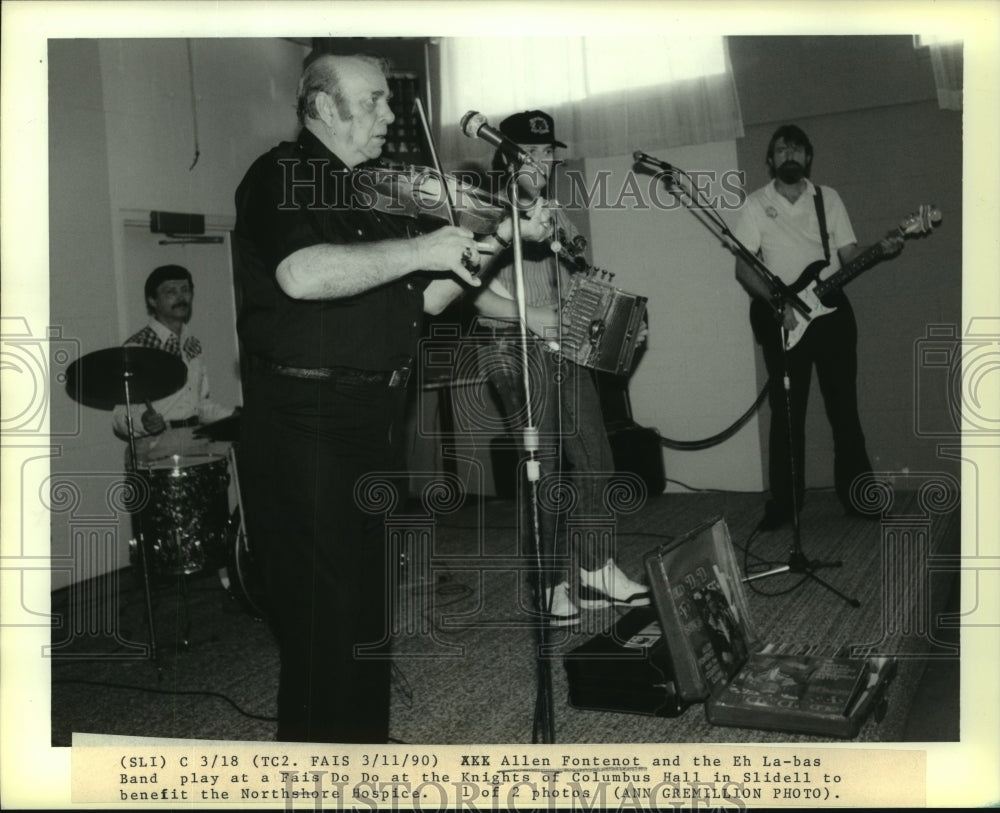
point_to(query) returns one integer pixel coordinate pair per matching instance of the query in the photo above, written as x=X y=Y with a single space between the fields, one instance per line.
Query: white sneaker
x=611 y=583
x=560 y=606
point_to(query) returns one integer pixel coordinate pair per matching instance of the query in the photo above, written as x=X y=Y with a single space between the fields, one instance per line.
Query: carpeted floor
x=465 y=640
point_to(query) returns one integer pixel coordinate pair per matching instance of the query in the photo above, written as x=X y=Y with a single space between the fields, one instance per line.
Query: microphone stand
x=780 y=298
x=543 y=729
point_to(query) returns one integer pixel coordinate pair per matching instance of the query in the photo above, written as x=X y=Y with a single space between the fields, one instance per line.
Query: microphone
x=643 y=158
x=474 y=125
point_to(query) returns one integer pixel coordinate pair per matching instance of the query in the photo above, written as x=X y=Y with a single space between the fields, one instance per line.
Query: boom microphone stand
x=780 y=298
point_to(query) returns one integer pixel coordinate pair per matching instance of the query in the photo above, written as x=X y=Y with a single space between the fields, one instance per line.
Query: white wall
x=122 y=140
x=698 y=373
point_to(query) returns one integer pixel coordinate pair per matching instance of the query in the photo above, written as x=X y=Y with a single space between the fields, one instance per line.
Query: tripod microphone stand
x=780 y=298
x=798 y=562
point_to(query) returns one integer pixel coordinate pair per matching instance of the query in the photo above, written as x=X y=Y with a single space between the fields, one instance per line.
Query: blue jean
x=574 y=452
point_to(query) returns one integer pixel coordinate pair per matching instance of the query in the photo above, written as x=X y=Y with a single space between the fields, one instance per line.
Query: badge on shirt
x=771 y=212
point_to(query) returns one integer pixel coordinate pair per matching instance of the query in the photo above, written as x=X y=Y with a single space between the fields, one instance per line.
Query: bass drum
x=184 y=521
x=245 y=582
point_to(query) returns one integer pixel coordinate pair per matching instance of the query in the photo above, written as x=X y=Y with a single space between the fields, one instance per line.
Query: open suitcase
x=717 y=658
x=697 y=644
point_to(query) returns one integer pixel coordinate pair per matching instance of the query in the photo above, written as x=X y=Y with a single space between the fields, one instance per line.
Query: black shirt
x=297 y=195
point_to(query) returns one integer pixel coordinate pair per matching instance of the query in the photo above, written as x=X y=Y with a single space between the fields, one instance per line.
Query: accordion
x=600 y=324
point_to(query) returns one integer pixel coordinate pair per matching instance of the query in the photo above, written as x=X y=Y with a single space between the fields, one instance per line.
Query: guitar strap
x=821 y=217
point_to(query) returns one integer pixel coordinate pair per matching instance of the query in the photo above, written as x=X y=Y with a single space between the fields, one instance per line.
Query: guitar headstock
x=922 y=221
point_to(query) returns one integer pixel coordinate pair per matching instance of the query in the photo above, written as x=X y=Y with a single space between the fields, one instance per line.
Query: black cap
x=530 y=127
x=163 y=274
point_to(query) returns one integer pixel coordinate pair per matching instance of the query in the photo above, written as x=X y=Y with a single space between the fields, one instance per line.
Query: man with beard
x=166 y=427
x=784 y=223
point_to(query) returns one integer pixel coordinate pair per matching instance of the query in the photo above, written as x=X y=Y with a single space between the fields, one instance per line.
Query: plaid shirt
x=148 y=337
x=191 y=400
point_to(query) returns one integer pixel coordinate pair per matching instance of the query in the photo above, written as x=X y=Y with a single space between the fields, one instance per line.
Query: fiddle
x=423 y=193
x=428 y=193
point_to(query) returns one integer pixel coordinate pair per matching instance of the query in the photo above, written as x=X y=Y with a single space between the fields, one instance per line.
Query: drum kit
x=185 y=524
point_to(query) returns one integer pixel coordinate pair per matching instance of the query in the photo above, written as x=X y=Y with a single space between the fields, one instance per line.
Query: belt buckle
x=400 y=377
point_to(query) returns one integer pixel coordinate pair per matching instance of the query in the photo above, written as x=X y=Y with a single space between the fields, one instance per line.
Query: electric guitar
x=811 y=289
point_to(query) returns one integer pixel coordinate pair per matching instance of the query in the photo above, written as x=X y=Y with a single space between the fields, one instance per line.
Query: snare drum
x=184 y=522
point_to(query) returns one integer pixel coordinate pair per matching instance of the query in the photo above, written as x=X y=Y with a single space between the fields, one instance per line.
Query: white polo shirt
x=787 y=234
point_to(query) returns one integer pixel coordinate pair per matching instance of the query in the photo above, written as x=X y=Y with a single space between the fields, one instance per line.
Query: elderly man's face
x=361 y=135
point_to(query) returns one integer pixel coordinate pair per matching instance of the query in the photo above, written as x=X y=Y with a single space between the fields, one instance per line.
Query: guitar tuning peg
x=611 y=276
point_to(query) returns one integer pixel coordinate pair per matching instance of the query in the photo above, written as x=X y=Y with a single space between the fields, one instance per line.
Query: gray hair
x=321 y=75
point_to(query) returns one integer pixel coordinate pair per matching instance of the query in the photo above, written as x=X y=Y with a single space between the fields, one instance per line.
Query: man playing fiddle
x=569 y=419
x=332 y=295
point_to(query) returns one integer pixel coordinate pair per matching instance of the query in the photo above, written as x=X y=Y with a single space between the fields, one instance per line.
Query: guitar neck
x=862 y=262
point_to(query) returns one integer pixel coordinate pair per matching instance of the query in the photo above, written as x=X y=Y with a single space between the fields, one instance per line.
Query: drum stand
x=132 y=471
x=120 y=375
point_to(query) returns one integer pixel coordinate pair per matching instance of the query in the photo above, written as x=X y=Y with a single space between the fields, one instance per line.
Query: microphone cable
x=725 y=434
x=173 y=692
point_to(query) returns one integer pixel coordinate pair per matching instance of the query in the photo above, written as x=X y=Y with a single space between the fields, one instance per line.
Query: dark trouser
x=829 y=344
x=305 y=445
x=574 y=450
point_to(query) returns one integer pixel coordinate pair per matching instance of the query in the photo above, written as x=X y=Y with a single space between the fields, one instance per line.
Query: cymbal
x=98 y=379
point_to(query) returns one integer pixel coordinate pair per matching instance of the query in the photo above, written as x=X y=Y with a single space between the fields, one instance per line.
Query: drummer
x=166 y=427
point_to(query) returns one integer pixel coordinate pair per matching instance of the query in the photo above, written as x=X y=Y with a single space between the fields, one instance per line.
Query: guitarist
x=784 y=223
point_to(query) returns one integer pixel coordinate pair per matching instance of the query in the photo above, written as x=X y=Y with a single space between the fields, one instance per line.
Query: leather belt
x=180 y=424
x=399 y=377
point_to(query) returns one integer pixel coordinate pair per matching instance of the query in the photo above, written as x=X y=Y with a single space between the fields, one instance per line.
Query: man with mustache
x=166 y=426
x=782 y=223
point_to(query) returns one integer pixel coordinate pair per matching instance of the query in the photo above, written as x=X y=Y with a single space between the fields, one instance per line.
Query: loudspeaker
x=637 y=450
x=626 y=669
x=176 y=223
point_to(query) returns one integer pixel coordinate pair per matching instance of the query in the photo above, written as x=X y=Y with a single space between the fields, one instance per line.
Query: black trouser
x=829 y=344
x=305 y=445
